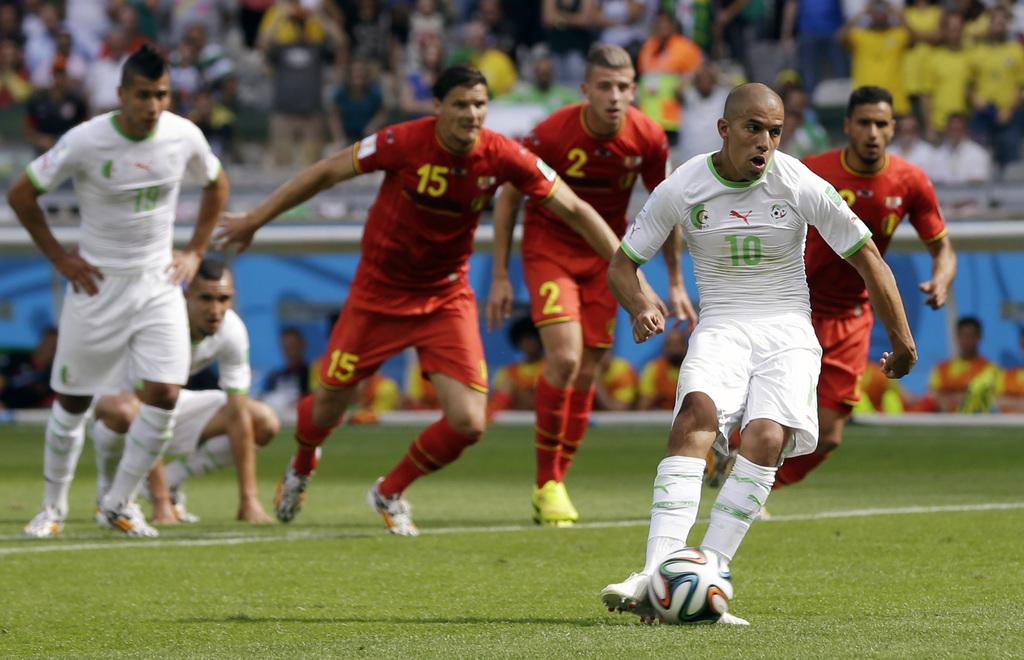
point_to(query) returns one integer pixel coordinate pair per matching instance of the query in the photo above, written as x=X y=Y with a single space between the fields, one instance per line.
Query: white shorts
x=194 y=411
x=756 y=369
x=136 y=324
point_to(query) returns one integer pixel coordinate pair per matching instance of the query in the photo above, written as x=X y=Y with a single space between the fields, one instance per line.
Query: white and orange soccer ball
x=693 y=585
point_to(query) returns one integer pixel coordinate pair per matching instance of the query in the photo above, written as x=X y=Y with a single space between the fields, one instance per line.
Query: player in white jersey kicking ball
x=124 y=305
x=214 y=428
x=753 y=358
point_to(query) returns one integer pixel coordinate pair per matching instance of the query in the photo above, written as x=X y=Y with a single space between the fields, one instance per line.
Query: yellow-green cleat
x=552 y=506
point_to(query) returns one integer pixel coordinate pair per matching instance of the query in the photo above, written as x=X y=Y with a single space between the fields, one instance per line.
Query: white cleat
x=397 y=512
x=178 y=502
x=630 y=595
x=733 y=620
x=128 y=519
x=290 y=494
x=45 y=524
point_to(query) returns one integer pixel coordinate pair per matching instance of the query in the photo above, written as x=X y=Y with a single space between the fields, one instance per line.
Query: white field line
x=28 y=546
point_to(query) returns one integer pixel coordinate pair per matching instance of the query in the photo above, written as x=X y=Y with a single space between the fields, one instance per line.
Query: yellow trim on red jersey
x=355 y=157
x=478 y=387
x=850 y=170
x=938 y=237
x=560 y=319
x=551 y=192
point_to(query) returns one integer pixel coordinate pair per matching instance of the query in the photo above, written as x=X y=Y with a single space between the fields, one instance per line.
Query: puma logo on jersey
x=144 y=167
x=740 y=216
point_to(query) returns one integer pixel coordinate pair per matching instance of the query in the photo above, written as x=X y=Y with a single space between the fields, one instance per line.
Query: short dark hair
x=965 y=321
x=460 y=75
x=211 y=268
x=867 y=95
x=147 y=62
x=522 y=328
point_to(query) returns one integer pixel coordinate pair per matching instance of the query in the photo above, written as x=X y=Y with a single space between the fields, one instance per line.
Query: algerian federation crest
x=778 y=212
x=699 y=217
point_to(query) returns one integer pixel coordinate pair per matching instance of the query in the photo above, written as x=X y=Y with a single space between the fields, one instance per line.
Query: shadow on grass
x=464 y=620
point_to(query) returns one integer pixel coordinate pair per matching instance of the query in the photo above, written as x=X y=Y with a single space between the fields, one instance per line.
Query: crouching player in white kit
x=124 y=302
x=753 y=358
x=213 y=428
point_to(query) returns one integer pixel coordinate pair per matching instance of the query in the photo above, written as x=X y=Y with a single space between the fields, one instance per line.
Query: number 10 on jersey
x=749 y=250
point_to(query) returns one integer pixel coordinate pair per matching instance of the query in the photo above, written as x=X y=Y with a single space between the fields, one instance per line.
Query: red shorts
x=447 y=341
x=844 y=354
x=572 y=289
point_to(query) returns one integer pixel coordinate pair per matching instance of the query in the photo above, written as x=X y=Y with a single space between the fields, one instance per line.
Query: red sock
x=309 y=436
x=795 y=469
x=549 y=406
x=576 y=420
x=438 y=445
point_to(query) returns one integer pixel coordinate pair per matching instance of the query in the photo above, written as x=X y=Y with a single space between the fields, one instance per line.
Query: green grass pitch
x=927 y=567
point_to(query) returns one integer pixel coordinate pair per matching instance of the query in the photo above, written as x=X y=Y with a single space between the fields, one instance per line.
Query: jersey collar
x=598 y=136
x=850 y=170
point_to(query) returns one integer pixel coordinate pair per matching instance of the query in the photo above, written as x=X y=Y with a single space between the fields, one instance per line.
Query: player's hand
x=649 y=322
x=937 y=293
x=80 y=273
x=650 y=295
x=235 y=229
x=898 y=363
x=681 y=306
x=499 y=302
x=184 y=265
x=251 y=511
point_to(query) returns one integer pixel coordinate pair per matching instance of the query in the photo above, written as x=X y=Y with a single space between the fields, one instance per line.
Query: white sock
x=109 y=445
x=148 y=437
x=65 y=436
x=674 y=510
x=739 y=502
x=212 y=455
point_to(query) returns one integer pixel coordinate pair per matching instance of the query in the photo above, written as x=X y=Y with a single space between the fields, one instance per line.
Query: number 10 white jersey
x=746 y=238
x=127 y=188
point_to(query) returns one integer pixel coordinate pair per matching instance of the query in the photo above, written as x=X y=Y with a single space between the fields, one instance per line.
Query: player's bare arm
x=625 y=284
x=679 y=302
x=584 y=220
x=499 y=300
x=943 y=272
x=886 y=301
x=243 y=446
x=185 y=263
x=23 y=199
x=238 y=228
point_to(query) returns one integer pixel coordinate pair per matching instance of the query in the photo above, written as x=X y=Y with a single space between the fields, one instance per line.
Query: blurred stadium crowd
x=276 y=83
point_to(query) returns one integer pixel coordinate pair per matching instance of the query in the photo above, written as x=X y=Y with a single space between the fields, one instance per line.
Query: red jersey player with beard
x=411 y=288
x=881 y=189
x=600 y=148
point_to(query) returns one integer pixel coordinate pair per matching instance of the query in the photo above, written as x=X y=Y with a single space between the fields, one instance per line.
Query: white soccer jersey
x=746 y=239
x=127 y=189
x=229 y=348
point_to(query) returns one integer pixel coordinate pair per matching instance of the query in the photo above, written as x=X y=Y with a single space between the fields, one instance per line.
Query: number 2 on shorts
x=550 y=290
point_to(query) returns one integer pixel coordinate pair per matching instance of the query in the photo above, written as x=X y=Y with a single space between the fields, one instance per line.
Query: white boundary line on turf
x=33 y=547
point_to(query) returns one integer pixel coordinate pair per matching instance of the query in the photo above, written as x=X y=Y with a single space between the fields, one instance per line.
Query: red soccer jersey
x=600 y=170
x=882 y=200
x=419 y=232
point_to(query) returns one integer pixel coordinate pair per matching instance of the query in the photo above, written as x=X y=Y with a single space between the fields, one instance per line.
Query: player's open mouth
x=759 y=162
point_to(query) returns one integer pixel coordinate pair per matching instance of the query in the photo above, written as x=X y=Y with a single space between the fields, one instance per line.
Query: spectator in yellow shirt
x=1010 y=387
x=998 y=72
x=947 y=76
x=965 y=383
x=615 y=389
x=878 y=41
x=923 y=19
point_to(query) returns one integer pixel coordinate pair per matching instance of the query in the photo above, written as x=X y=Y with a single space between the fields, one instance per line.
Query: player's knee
x=329 y=406
x=762 y=442
x=562 y=366
x=468 y=423
x=265 y=423
x=697 y=415
x=828 y=440
x=161 y=395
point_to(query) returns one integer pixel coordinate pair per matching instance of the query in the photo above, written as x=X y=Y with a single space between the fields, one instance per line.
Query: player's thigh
x=845 y=343
x=359 y=343
x=93 y=335
x=597 y=309
x=160 y=351
x=717 y=363
x=448 y=342
x=554 y=293
x=783 y=382
x=193 y=414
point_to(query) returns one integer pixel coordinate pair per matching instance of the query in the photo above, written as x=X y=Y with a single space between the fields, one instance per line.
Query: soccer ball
x=693 y=585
